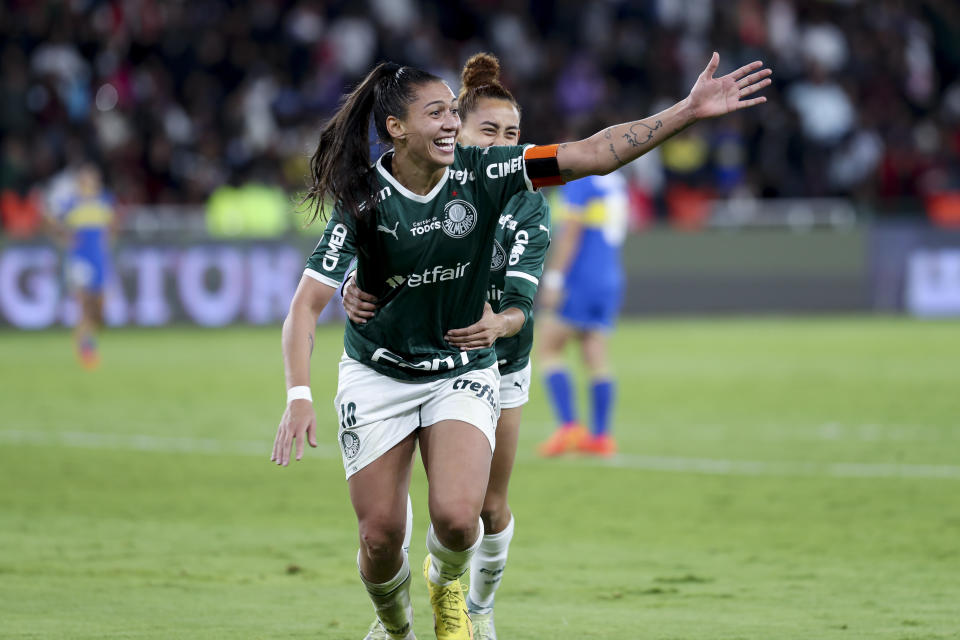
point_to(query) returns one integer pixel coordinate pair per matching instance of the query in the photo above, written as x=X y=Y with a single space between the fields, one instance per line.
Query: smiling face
x=494 y=122
x=428 y=131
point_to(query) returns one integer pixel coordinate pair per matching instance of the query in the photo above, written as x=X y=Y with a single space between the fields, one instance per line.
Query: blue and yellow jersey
x=89 y=219
x=601 y=205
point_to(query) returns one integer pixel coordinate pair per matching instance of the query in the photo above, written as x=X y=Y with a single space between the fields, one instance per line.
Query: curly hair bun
x=481 y=69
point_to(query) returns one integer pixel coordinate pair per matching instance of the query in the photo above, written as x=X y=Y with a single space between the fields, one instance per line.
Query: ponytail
x=340 y=167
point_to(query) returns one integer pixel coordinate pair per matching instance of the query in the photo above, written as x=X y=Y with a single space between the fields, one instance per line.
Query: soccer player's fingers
x=274 y=455
x=745 y=69
x=358 y=315
x=454 y=334
x=312 y=433
x=743 y=104
x=753 y=77
x=712 y=65
x=300 y=445
x=363 y=295
x=285 y=441
x=753 y=88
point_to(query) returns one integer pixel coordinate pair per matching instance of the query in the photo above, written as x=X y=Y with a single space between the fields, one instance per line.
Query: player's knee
x=495 y=514
x=456 y=526
x=381 y=538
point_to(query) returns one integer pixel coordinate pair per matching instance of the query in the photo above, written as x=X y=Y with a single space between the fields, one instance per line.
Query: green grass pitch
x=779 y=479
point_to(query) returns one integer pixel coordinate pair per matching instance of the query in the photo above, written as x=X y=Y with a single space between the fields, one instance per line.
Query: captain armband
x=542 y=166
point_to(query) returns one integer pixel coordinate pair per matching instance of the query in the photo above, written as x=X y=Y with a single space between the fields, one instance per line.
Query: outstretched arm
x=299 y=422
x=615 y=146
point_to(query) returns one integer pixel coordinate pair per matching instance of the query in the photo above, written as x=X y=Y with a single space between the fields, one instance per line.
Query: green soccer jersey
x=519 y=247
x=427 y=259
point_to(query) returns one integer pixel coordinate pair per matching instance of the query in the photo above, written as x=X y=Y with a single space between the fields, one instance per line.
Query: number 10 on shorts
x=348 y=415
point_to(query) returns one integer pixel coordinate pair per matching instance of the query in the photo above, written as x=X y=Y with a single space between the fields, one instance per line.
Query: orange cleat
x=88 y=355
x=564 y=440
x=603 y=446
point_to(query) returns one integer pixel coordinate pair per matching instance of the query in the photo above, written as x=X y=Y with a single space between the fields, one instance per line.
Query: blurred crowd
x=181 y=101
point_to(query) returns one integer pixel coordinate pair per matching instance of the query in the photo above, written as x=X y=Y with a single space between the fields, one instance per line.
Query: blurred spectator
x=176 y=100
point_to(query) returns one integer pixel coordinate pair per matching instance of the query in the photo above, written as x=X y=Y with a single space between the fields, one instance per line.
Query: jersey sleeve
x=508 y=170
x=526 y=251
x=334 y=253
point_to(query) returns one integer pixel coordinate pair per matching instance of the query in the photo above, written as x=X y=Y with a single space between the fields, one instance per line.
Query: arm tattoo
x=606 y=133
x=633 y=138
x=567 y=174
x=310 y=337
x=620 y=162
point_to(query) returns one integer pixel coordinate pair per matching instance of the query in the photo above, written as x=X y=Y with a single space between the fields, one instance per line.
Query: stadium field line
x=707 y=466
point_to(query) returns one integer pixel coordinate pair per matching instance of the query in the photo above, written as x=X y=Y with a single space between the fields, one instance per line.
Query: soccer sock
x=487 y=565
x=408 y=533
x=391 y=601
x=601 y=392
x=560 y=391
x=446 y=565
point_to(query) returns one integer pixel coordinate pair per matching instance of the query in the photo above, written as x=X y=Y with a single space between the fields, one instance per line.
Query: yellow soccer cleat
x=450 y=618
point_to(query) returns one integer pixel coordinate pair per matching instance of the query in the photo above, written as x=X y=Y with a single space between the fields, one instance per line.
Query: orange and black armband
x=542 y=166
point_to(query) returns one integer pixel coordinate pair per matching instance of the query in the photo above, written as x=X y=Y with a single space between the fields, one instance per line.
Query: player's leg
x=379 y=417
x=379 y=493
x=457 y=448
x=91 y=314
x=552 y=340
x=456 y=456
x=593 y=347
x=490 y=560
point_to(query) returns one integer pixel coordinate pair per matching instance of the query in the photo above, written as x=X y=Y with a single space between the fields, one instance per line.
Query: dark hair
x=480 y=79
x=340 y=167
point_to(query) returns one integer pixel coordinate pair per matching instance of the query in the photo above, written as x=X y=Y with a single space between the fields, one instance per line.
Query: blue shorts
x=87 y=270
x=592 y=306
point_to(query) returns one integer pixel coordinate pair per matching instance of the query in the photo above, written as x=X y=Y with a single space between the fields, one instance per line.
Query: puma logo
x=518 y=385
x=392 y=232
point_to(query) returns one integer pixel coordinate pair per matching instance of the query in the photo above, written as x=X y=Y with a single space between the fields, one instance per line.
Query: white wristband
x=299 y=393
x=553 y=279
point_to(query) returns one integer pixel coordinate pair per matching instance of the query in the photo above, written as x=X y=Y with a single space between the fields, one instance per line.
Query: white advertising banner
x=209 y=285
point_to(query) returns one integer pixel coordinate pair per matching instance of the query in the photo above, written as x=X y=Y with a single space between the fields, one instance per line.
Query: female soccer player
x=84 y=220
x=490 y=116
x=422 y=221
x=583 y=287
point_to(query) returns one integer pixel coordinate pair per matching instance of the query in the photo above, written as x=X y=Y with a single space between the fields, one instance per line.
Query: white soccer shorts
x=375 y=411
x=515 y=388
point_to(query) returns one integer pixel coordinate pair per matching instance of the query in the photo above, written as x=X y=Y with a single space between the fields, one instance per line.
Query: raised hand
x=711 y=97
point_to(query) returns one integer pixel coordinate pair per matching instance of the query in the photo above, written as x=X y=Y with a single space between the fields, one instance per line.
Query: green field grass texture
x=778 y=479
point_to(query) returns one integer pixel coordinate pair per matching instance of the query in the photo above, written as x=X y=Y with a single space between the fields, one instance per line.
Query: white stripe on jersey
x=319 y=277
x=525 y=276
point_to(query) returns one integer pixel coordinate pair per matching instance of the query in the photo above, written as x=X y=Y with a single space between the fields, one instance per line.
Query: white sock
x=446 y=565
x=391 y=601
x=487 y=565
x=408 y=534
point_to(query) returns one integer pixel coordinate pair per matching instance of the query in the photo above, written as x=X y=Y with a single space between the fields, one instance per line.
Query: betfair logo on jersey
x=494 y=294
x=503 y=169
x=438 y=273
x=483 y=391
x=459 y=218
x=499 y=257
x=338 y=235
